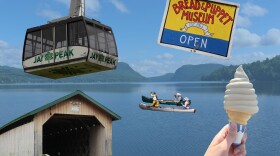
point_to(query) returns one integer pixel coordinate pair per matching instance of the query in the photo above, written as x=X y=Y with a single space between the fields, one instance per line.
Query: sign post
x=202 y=26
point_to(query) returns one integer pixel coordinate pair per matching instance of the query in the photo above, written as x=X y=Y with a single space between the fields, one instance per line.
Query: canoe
x=166 y=108
x=164 y=102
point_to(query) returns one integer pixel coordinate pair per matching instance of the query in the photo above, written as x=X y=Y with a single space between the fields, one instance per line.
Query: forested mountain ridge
x=188 y=73
x=267 y=70
x=123 y=73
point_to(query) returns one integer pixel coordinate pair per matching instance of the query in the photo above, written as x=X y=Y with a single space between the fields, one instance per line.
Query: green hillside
x=187 y=73
x=123 y=73
x=16 y=75
x=194 y=72
x=267 y=70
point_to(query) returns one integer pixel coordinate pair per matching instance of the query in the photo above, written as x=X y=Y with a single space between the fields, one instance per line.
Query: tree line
x=266 y=70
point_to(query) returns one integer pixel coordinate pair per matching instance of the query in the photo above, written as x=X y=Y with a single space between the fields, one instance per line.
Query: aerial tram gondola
x=69 y=46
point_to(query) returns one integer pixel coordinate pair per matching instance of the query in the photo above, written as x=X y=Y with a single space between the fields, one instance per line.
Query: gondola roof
x=65 y=20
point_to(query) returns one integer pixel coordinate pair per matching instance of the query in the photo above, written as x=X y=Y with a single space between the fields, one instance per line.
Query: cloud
x=250 y=10
x=244 y=38
x=120 y=6
x=249 y=57
x=150 y=68
x=50 y=14
x=243 y=21
x=9 y=56
x=271 y=37
x=92 y=6
x=3 y=44
x=155 y=66
x=165 y=56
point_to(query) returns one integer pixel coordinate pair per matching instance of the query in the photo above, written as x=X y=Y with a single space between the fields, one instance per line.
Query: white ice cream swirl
x=240 y=95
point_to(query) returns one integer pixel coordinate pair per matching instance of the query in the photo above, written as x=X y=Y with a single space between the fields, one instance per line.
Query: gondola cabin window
x=111 y=43
x=77 y=34
x=28 y=46
x=106 y=42
x=60 y=36
x=92 y=36
x=101 y=40
x=47 y=39
x=32 y=44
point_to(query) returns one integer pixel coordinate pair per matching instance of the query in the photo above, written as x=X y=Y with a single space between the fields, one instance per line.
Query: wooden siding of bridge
x=18 y=141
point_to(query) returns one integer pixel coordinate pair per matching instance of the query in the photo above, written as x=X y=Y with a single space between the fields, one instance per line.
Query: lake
x=148 y=133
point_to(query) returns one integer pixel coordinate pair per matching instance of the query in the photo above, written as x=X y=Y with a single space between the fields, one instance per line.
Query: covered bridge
x=74 y=125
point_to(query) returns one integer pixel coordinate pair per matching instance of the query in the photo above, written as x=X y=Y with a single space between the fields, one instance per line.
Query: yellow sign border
x=195 y=50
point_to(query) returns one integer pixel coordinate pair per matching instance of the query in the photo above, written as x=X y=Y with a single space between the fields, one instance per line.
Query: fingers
x=232 y=132
x=231 y=136
x=241 y=149
x=244 y=139
x=221 y=135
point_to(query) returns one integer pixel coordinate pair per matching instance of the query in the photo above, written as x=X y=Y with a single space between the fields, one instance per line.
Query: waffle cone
x=238 y=117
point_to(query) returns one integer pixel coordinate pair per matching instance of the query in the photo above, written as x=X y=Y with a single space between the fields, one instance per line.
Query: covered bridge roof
x=29 y=116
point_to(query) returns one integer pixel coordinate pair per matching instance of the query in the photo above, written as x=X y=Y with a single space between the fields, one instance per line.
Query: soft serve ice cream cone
x=240 y=101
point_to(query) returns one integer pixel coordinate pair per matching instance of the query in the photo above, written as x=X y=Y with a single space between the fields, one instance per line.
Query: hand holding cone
x=240 y=101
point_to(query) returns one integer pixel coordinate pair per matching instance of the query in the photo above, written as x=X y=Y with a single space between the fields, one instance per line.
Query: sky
x=136 y=26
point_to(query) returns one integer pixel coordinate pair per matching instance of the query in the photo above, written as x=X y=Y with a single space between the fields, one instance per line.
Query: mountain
x=123 y=73
x=164 y=78
x=187 y=73
x=267 y=70
x=16 y=75
x=194 y=72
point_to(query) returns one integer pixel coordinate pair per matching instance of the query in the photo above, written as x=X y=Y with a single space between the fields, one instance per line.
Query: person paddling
x=187 y=103
x=155 y=99
x=178 y=98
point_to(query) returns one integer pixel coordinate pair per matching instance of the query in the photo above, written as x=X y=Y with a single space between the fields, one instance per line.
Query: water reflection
x=266 y=88
x=108 y=87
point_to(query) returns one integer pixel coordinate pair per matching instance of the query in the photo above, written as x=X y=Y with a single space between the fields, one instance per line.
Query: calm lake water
x=148 y=133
